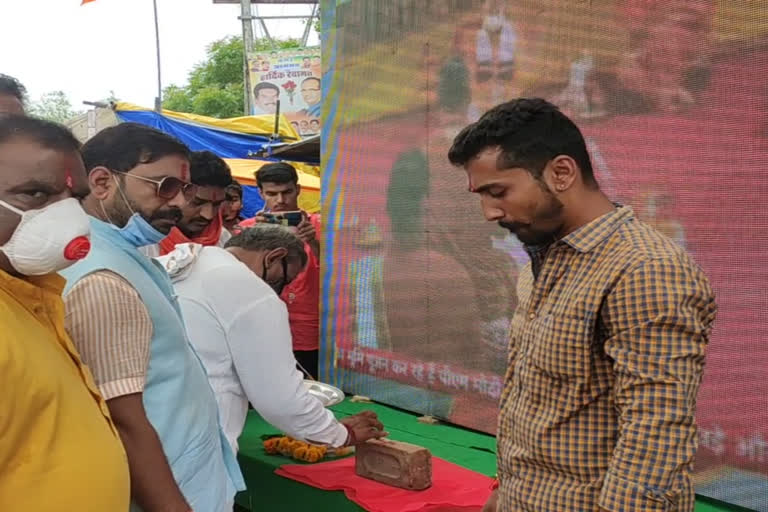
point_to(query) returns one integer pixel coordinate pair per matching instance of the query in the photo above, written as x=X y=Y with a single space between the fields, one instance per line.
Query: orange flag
x=87 y=2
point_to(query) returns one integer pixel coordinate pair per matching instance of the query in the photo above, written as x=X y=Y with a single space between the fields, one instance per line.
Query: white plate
x=327 y=394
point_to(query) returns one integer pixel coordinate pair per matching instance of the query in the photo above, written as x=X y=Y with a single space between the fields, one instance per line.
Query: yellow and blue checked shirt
x=606 y=355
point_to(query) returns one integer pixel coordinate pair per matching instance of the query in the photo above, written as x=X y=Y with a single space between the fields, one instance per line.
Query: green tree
x=54 y=106
x=215 y=86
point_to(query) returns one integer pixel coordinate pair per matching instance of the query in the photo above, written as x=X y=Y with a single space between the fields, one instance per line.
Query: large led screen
x=418 y=288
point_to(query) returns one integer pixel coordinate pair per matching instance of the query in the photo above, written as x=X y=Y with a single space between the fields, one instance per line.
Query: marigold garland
x=298 y=450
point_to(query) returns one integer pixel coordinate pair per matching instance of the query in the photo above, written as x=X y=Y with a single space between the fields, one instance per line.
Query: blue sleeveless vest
x=177 y=397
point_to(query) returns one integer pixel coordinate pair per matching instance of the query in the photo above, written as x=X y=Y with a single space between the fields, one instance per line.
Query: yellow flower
x=298 y=450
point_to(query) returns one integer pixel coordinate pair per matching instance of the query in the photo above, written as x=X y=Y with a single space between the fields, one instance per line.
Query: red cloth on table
x=454 y=488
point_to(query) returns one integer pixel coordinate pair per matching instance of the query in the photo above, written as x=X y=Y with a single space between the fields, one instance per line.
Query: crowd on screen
x=142 y=315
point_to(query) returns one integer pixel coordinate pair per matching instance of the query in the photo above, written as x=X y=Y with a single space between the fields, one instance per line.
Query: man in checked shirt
x=607 y=345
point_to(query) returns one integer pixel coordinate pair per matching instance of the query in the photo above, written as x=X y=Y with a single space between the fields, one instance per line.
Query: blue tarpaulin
x=252 y=201
x=226 y=144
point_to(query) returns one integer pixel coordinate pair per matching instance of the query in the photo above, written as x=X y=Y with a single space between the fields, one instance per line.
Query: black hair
x=234 y=188
x=9 y=86
x=123 y=147
x=408 y=186
x=206 y=169
x=267 y=237
x=45 y=133
x=277 y=172
x=311 y=78
x=530 y=133
x=265 y=85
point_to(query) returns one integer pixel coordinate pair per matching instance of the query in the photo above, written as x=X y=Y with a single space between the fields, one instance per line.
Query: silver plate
x=327 y=394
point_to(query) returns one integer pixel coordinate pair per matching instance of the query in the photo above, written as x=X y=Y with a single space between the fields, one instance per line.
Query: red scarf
x=209 y=236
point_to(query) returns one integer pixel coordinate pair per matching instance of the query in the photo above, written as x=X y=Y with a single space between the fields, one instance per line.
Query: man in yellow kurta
x=58 y=447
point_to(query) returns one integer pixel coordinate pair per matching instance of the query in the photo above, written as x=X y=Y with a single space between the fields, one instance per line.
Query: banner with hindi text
x=293 y=77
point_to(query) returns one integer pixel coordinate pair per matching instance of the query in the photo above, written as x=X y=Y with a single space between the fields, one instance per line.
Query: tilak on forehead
x=185 y=171
x=211 y=194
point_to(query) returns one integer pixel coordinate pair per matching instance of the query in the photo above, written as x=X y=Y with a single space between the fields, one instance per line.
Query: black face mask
x=278 y=286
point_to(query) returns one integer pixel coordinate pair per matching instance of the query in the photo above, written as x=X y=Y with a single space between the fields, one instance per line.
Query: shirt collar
x=31 y=287
x=178 y=263
x=589 y=236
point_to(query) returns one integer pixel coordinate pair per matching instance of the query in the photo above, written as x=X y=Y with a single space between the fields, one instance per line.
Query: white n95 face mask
x=49 y=239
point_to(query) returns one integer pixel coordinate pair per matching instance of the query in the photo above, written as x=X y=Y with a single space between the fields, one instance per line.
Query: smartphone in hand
x=289 y=219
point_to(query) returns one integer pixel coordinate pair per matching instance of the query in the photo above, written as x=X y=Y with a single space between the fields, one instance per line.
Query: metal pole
x=246 y=17
x=276 y=133
x=308 y=27
x=266 y=33
x=287 y=17
x=159 y=97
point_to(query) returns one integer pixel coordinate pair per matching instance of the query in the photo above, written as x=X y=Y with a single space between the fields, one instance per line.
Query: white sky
x=110 y=44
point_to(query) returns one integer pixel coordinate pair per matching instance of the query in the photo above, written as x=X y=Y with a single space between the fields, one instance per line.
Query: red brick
x=395 y=463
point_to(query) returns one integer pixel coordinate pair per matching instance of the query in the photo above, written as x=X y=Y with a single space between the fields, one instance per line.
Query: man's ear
x=298 y=189
x=561 y=173
x=101 y=182
x=274 y=255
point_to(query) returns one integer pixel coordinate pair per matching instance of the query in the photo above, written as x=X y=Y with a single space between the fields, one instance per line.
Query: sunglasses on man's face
x=168 y=187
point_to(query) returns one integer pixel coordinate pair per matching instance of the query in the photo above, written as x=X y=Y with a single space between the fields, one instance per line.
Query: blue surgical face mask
x=137 y=231
x=140 y=233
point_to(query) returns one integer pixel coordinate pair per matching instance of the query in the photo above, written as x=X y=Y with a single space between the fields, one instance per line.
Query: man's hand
x=492 y=504
x=306 y=231
x=259 y=219
x=364 y=426
x=153 y=486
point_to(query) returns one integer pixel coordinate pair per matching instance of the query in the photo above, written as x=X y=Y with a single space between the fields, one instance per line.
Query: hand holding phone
x=306 y=231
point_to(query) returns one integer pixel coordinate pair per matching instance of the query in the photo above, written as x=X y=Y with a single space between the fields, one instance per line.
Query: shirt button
x=531 y=316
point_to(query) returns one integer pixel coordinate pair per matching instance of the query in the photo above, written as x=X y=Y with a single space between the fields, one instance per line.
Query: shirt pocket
x=559 y=347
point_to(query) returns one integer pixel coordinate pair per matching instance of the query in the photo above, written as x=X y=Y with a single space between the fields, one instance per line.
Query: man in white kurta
x=239 y=327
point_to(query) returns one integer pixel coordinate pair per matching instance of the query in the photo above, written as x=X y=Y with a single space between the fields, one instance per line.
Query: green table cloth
x=269 y=492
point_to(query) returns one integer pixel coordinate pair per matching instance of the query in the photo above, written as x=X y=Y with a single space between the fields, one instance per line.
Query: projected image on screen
x=419 y=288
